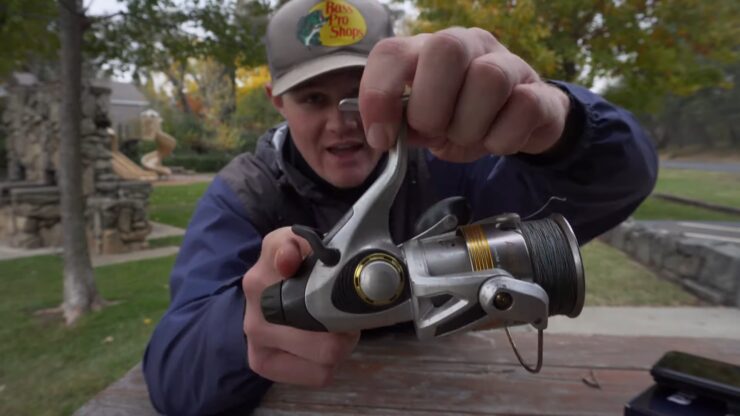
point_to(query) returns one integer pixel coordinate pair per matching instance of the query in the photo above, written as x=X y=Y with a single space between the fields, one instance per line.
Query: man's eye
x=314 y=99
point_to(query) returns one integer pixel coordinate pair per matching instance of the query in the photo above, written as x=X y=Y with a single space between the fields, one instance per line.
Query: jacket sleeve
x=196 y=360
x=607 y=170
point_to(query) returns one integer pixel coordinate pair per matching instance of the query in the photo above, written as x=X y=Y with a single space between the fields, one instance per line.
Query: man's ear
x=276 y=100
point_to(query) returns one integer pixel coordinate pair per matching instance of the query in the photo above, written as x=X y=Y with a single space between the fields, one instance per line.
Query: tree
x=647 y=48
x=708 y=119
x=80 y=294
x=233 y=32
x=162 y=36
x=28 y=33
x=148 y=37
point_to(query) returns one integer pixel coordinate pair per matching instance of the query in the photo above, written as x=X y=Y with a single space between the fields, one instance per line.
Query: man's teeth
x=344 y=146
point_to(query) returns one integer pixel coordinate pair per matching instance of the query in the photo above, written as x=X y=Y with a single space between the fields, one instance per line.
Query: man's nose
x=345 y=121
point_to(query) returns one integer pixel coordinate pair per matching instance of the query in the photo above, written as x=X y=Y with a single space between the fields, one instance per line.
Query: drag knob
x=379 y=279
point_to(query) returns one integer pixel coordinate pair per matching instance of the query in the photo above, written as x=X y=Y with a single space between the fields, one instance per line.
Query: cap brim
x=314 y=68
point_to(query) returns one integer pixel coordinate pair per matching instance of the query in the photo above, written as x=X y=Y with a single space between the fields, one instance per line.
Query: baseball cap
x=307 y=38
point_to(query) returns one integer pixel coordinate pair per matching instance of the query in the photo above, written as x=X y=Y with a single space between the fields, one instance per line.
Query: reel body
x=451 y=277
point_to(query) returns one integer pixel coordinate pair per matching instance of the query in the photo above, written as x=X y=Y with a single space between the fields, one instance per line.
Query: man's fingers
x=440 y=73
x=323 y=348
x=516 y=121
x=390 y=68
x=283 y=367
x=281 y=256
x=283 y=251
x=288 y=257
x=489 y=82
x=532 y=120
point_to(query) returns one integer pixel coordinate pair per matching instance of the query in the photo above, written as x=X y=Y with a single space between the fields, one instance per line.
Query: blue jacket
x=196 y=360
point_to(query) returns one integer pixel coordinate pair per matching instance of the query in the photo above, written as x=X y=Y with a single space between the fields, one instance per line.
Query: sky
x=112 y=6
x=98 y=7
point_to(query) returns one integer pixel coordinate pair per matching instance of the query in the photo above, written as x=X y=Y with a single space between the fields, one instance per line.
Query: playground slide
x=127 y=169
x=153 y=160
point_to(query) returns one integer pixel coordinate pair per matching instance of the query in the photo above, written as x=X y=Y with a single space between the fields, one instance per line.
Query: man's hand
x=470 y=96
x=282 y=353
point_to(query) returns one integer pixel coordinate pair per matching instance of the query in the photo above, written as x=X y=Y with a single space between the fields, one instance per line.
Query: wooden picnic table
x=468 y=374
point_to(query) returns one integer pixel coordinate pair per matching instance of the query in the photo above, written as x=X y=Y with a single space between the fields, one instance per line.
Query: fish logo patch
x=331 y=23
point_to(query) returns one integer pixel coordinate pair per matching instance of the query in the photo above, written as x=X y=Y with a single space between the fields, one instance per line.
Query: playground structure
x=151 y=129
x=125 y=167
x=30 y=215
x=153 y=169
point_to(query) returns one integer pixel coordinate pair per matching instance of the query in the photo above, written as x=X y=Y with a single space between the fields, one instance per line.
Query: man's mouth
x=342 y=149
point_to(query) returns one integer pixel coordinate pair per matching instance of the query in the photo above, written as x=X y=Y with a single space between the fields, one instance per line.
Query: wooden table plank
x=477 y=373
x=562 y=350
x=126 y=397
x=469 y=388
x=473 y=373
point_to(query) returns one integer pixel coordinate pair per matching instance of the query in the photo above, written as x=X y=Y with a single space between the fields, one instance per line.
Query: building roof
x=126 y=94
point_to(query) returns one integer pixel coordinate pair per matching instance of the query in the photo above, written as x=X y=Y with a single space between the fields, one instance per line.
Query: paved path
x=9 y=253
x=729 y=167
x=159 y=230
x=718 y=231
x=185 y=179
x=685 y=322
x=108 y=259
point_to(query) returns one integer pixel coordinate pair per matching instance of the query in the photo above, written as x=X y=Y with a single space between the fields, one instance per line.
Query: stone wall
x=29 y=200
x=711 y=270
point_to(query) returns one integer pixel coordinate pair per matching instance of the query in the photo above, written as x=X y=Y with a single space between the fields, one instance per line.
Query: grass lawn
x=713 y=187
x=48 y=369
x=174 y=205
x=613 y=279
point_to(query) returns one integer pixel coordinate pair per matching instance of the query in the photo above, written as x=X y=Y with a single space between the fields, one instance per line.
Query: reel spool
x=500 y=271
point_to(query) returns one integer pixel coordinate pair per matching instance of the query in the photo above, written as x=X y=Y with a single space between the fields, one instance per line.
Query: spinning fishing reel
x=453 y=276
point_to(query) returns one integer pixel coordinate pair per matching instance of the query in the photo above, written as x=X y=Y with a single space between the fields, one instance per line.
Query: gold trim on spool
x=478 y=250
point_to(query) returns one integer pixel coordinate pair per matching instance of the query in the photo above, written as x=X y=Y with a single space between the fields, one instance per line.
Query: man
x=484 y=126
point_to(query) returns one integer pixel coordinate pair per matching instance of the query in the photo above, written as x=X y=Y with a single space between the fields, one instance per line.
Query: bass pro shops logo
x=331 y=23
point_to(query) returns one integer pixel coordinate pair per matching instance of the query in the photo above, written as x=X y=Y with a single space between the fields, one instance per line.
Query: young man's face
x=332 y=143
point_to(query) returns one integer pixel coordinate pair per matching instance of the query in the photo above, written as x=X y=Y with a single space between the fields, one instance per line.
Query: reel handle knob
x=284 y=303
x=328 y=256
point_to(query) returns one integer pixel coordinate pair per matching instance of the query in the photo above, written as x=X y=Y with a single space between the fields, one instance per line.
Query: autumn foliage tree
x=645 y=49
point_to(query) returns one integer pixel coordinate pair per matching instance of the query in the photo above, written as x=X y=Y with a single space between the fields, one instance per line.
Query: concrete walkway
x=9 y=253
x=158 y=231
x=180 y=179
x=108 y=259
x=692 y=322
x=728 y=167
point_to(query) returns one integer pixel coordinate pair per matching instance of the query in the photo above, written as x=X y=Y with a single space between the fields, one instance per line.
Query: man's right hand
x=281 y=353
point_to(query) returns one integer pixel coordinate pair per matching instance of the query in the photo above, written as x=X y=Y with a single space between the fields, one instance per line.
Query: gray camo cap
x=307 y=38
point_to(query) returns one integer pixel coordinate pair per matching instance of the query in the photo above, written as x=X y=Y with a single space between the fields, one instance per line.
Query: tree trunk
x=230 y=106
x=80 y=294
x=178 y=81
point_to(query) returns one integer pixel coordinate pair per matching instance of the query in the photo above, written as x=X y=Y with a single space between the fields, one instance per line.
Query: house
x=126 y=104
